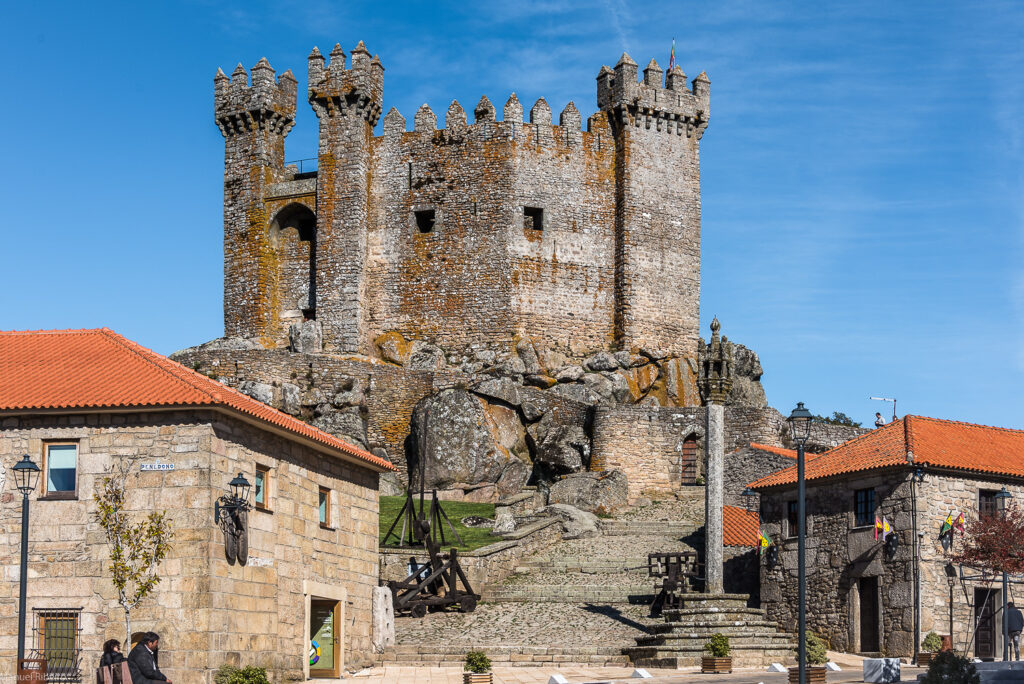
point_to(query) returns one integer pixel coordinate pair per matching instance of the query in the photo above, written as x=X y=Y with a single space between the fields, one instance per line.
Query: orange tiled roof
x=788 y=453
x=931 y=441
x=99 y=369
x=739 y=526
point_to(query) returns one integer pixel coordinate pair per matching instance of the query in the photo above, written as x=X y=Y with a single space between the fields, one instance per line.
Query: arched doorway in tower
x=293 y=237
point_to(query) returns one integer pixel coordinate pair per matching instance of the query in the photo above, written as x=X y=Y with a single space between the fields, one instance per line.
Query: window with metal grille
x=864 y=507
x=57 y=639
x=987 y=503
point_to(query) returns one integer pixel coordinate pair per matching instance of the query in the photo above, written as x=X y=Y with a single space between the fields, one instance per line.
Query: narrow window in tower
x=425 y=221
x=533 y=218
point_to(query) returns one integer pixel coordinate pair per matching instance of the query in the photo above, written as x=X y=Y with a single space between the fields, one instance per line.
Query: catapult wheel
x=419 y=610
x=467 y=604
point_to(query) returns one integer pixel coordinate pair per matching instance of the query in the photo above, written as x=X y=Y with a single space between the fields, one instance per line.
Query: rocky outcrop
x=746 y=382
x=306 y=337
x=576 y=524
x=461 y=439
x=604 y=492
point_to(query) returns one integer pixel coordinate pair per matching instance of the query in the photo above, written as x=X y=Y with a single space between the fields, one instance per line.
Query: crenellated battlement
x=485 y=124
x=671 y=107
x=335 y=90
x=267 y=104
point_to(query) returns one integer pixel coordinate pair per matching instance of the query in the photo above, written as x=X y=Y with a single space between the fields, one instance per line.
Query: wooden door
x=985 y=601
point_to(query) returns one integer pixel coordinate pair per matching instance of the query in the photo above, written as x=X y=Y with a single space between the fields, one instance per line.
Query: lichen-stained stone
x=393 y=347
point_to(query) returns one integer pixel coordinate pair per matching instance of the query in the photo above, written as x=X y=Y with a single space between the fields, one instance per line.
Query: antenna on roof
x=887 y=399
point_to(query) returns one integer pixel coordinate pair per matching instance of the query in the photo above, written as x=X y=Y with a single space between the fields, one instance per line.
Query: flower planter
x=924 y=658
x=713 y=665
x=477 y=678
x=815 y=674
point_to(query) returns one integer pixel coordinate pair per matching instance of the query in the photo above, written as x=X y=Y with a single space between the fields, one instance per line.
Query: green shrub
x=718 y=645
x=932 y=642
x=816 y=649
x=478 y=662
x=949 y=668
x=223 y=675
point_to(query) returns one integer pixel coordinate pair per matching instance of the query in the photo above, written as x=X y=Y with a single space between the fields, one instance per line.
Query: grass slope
x=472 y=537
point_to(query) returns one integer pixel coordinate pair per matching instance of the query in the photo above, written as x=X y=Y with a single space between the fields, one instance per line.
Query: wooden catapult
x=434 y=585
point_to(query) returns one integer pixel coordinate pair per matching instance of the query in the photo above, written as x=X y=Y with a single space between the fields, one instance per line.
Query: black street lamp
x=25 y=474
x=1003 y=498
x=800 y=430
x=951 y=578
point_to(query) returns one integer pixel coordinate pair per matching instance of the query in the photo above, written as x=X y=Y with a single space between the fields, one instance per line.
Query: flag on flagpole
x=878 y=526
x=886 y=529
x=672 y=56
x=959 y=523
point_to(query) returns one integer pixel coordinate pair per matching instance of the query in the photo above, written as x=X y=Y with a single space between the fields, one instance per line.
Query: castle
x=470 y=235
x=508 y=301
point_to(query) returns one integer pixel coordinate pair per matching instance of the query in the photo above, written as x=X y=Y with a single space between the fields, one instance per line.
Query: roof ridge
x=54 y=331
x=154 y=359
x=964 y=423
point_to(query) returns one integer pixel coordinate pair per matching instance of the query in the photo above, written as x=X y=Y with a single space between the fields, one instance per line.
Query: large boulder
x=603 y=492
x=306 y=337
x=463 y=440
x=576 y=524
x=746 y=382
x=346 y=423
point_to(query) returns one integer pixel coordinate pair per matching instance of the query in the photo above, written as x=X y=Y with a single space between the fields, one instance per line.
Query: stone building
x=912 y=473
x=79 y=402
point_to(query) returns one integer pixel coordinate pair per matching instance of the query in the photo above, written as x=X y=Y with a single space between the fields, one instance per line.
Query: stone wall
x=746 y=464
x=207 y=611
x=840 y=554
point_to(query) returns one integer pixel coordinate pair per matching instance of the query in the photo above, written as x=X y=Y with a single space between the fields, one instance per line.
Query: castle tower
x=254 y=120
x=347 y=102
x=657 y=184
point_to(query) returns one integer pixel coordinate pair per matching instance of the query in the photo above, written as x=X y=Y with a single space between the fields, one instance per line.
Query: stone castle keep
x=511 y=301
x=470 y=235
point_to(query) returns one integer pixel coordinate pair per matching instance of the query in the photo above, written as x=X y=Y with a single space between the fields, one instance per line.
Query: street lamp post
x=25 y=473
x=1003 y=498
x=800 y=430
x=951 y=579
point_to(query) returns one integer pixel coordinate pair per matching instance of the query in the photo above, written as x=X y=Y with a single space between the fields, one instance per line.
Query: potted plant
x=477 y=669
x=816 y=658
x=930 y=645
x=718 y=661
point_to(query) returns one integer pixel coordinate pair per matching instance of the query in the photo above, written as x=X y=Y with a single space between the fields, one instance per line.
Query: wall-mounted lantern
x=231 y=512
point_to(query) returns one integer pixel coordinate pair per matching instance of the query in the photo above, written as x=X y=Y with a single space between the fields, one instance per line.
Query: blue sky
x=862 y=172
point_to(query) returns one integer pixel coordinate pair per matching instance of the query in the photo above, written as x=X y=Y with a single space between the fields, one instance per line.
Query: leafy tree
x=137 y=547
x=994 y=543
x=837 y=418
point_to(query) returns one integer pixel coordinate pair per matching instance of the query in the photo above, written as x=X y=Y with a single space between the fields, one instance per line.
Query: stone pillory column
x=254 y=121
x=347 y=101
x=717 y=376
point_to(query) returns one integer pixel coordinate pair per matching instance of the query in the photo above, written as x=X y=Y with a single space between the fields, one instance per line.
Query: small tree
x=994 y=542
x=136 y=547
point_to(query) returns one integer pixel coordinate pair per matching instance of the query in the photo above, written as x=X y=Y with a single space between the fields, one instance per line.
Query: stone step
x=659 y=528
x=697 y=639
x=438 y=655
x=584 y=565
x=582 y=593
x=709 y=603
x=684 y=615
x=713 y=625
x=655 y=658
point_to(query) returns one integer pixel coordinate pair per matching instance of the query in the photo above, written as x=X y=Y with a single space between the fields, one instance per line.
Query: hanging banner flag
x=886 y=529
x=947 y=525
x=959 y=523
x=763 y=542
x=672 y=56
x=878 y=527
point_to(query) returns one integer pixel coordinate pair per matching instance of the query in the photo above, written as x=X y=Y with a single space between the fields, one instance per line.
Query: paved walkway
x=393 y=674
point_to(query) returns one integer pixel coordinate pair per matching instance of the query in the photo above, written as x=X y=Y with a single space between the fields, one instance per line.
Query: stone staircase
x=679 y=640
x=586 y=601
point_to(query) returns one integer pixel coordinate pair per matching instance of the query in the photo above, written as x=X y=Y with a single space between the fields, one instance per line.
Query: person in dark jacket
x=111 y=653
x=142 y=661
x=1014 y=625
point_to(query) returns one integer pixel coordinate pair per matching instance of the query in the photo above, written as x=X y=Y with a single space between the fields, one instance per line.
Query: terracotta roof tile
x=739 y=526
x=932 y=442
x=99 y=369
x=788 y=453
